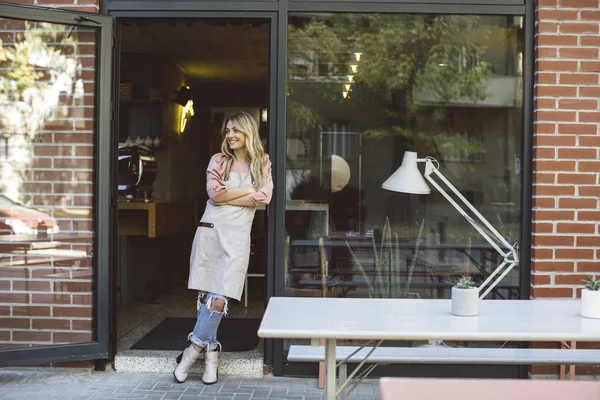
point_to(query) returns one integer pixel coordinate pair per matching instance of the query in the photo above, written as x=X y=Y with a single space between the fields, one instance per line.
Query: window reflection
x=46 y=183
x=362 y=90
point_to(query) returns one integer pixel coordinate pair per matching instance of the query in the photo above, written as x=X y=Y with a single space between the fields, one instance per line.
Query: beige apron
x=220 y=254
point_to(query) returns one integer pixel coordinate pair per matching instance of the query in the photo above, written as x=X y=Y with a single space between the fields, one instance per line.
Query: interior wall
x=182 y=165
x=205 y=136
x=182 y=158
x=149 y=267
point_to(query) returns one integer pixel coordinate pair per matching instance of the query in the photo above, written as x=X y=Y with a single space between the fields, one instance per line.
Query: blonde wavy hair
x=254 y=148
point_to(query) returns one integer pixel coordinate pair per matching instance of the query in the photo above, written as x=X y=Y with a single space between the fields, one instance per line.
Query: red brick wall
x=46 y=164
x=566 y=210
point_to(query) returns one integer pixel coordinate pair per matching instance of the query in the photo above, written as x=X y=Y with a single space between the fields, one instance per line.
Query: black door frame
x=273 y=109
x=278 y=11
x=102 y=249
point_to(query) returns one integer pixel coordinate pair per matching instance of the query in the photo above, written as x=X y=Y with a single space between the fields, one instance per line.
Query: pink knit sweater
x=217 y=191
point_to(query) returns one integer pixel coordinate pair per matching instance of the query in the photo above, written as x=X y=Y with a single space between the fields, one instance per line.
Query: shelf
x=155 y=219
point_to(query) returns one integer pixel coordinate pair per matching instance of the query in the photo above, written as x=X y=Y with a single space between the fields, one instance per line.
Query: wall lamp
x=183 y=95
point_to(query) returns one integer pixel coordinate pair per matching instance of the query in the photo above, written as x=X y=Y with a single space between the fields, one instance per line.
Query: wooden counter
x=155 y=219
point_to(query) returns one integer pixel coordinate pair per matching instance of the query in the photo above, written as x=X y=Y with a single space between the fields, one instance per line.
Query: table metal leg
x=343 y=372
x=572 y=367
x=330 y=369
x=564 y=345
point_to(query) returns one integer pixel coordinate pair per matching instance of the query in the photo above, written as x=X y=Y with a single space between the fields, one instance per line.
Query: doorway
x=178 y=80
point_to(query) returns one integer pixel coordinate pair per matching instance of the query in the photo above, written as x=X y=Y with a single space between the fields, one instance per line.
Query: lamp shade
x=340 y=173
x=407 y=178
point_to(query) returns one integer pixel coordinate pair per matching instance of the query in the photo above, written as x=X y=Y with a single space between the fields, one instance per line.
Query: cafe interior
x=177 y=83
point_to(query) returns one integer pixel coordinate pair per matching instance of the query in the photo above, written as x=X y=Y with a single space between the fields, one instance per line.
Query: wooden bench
x=441 y=355
x=447 y=355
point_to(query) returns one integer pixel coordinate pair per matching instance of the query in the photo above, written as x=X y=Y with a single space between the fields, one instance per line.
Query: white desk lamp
x=408 y=179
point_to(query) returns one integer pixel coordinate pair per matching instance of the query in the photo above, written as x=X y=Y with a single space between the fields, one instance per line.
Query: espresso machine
x=137 y=172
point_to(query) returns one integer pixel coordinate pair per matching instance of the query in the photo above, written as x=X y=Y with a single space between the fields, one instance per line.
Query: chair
x=249 y=275
x=325 y=290
x=488 y=389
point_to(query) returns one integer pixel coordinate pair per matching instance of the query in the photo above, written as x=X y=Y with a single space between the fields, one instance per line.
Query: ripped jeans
x=204 y=334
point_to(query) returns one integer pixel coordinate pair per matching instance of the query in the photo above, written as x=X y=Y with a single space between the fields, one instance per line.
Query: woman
x=238 y=179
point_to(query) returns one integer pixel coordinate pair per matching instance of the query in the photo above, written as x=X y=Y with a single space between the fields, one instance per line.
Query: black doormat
x=234 y=334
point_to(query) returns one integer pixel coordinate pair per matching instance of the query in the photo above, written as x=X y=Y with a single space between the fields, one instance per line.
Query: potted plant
x=465 y=298
x=590 y=298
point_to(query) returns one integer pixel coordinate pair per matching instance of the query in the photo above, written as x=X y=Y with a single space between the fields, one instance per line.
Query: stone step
x=244 y=363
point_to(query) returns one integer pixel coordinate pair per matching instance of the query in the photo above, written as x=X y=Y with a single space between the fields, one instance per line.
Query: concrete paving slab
x=46 y=384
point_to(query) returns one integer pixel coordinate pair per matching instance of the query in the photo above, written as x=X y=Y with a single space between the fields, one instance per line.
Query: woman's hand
x=241 y=202
x=241 y=197
x=236 y=193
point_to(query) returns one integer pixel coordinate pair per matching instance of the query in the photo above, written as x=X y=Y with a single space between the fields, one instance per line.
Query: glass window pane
x=362 y=90
x=47 y=140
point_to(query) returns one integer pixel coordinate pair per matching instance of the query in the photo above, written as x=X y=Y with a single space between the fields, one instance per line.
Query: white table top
x=421 y=319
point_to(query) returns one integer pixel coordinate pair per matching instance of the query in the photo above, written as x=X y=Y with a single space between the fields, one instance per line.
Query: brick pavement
x=26 y=384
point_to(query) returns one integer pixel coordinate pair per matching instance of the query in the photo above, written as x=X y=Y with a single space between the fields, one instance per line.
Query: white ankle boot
x=211 y=363
x=188 y=358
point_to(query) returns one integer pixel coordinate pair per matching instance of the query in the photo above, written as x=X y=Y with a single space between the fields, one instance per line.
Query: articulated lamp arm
x=509 y=253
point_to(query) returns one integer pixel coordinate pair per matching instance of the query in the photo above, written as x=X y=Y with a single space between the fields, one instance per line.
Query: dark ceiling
x=218 y=50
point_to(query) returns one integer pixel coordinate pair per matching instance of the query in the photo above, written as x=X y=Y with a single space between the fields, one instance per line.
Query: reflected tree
x=381 y=62
x=38 y=77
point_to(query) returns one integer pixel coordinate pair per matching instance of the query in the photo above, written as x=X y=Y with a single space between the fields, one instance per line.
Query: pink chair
x=487 y=389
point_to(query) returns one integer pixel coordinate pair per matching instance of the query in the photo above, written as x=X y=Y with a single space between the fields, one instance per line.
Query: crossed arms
x=243 y=196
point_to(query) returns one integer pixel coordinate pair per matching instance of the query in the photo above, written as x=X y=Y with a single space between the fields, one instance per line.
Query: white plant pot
x=465 y=302
x=590 y=303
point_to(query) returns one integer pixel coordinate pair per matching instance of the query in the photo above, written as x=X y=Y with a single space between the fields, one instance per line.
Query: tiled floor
x=49 y=385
